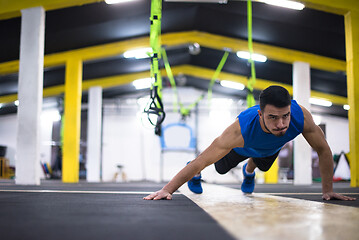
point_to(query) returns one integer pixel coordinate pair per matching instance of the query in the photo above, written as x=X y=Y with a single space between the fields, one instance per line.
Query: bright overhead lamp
x=346 y=107
x=51 y=116
x=118 y=1
x=286 y=4
x=317 y=119
x=320 y=102
x=142 y=83
x=138 y=53
x=230 y=84
x=200 y=1
x=256 y=57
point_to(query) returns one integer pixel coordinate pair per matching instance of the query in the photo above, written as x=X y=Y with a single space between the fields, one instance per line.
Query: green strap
x=250 y=98
x=216 y=74
x=155 y=43
x=176 y=100
x=186 y=111
x=156 y=106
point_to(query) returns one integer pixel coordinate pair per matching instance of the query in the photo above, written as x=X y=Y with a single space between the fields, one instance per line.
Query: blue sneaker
x=195 y=184
x=248 y=181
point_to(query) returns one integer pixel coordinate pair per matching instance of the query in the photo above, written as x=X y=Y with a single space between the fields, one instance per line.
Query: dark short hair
x=274 y=95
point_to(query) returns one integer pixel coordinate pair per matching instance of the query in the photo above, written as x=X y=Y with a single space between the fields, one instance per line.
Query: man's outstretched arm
x=229 y=139
x=315 y=137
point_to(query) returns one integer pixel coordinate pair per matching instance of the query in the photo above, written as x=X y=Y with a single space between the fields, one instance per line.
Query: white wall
x=8 y=131
x=48 y=116
x=337 y=133
x=127 y=142
x=121 y=143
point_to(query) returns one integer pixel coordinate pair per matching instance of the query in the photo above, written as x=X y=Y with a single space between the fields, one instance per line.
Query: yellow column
x=271 y=176
x=71 y=148
x=352 y=55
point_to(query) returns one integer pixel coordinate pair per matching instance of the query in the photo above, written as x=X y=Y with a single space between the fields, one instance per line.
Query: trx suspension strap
x=186 y=111
x=155 y=106
x=216 y=74
x=251 y=81
x=176 y=100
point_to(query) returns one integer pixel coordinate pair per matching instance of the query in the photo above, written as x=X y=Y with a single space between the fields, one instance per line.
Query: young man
x=258 y=134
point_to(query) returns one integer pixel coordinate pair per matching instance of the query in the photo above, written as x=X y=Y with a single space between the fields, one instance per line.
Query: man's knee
x=264 y=168
x=228 y=162
x=220 y=167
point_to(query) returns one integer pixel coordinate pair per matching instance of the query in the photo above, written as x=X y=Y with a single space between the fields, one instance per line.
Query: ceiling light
x=317 y=119
x=51 y=116
x=255 y=57
x=320 y=102
x=194 y=49
x=201 y=1
x=230 y=84
x=346 y=107
x=138 y=53
x=142 y=83
x=285 y=4
x=117 y=1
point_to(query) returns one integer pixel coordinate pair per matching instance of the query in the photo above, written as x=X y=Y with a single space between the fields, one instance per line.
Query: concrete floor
x=55 y=210
x=266 y=216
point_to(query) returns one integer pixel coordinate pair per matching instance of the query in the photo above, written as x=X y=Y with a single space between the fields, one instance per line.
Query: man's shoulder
x=248 y=115
x=309 y=124
x=247 y=119
x=250 y=110
x=297 y=116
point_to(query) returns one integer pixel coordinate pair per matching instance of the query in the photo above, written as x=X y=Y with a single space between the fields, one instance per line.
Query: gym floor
x=55 y=210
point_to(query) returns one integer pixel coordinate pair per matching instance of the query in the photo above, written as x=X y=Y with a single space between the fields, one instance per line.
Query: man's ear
x=259 y=113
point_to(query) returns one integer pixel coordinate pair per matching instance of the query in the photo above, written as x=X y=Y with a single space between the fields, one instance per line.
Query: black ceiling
x=77 y=27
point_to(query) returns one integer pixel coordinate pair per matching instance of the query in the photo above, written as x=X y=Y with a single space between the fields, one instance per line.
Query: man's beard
x=279 y=134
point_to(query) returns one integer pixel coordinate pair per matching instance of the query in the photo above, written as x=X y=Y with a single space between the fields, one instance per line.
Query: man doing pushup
x=258 y=134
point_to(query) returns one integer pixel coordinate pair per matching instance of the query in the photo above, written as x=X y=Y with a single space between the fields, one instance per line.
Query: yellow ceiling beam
x=106 y=82
x=86 y=54
x=11 y=8
x=199 y=72
x=8 y=98
x=173 y=39
x=9 y=67
x=333 y=6
x=273 y=53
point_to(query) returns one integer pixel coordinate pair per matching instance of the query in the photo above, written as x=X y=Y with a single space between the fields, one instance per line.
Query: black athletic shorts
x=232 y=159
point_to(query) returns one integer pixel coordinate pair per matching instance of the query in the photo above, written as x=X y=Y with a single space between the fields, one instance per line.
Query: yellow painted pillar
x=71 y=148
x=352 y=55
x=271 y=176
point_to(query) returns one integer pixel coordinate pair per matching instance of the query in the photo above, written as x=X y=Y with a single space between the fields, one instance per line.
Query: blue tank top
x=258 y=143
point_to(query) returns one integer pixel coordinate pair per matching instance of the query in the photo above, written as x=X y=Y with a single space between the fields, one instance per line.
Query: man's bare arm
x=316 y=139
x=230 y=138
